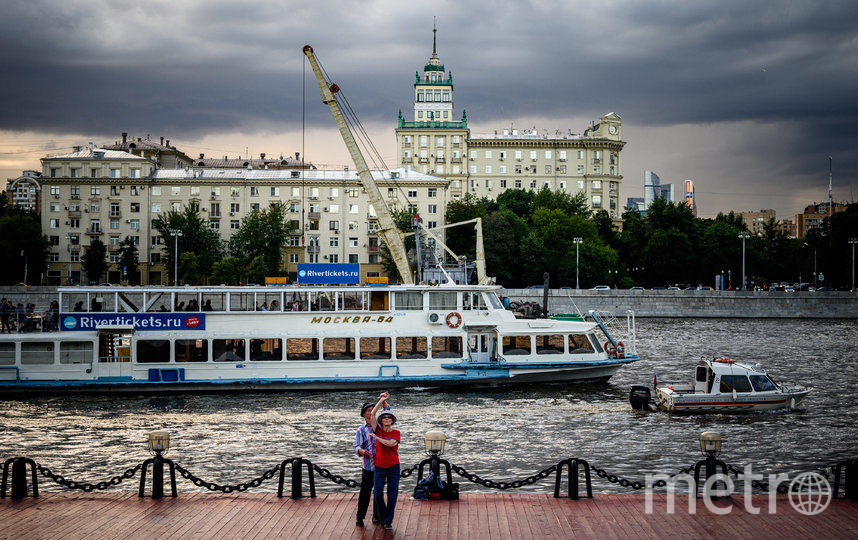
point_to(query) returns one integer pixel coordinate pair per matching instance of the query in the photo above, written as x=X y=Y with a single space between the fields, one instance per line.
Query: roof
x=96 y=153
x=289 y=174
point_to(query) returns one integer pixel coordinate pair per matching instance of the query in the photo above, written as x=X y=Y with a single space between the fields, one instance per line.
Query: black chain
x=782 y=488
x=624 y=482
x=504 y=485
x=71 y=484
x=408 y=472
x=244 y=486
x=335 y=478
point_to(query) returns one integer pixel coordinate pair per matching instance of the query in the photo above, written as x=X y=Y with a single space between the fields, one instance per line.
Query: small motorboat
x=720 y=385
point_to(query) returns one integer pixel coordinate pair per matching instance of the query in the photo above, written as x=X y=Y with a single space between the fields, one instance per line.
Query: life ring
x=450 y=317
x=610 y=349
x=725 y=360
x=621 y=349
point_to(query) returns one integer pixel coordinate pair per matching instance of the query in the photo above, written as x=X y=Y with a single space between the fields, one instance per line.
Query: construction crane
x=387 y=228
x=479 y=262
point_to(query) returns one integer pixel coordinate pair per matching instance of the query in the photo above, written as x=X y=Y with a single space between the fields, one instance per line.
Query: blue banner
x=323 y=274
x=77 y=322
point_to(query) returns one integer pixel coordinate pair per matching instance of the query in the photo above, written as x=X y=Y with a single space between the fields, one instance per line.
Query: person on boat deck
x=78 y=306
x=386 y=461
x=275 y=306
x=365 y=448
x=208 y=306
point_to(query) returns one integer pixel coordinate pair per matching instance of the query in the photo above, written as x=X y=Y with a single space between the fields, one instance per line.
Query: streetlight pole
x=577 y=241
x=853 y=241
x=744 y=236
x=175 y=233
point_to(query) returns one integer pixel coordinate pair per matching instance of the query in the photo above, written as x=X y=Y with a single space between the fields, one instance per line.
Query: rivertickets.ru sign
x=78 y=322
x=322 y=274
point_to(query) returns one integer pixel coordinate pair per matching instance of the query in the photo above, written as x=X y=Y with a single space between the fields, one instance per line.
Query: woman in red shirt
x=386 y=462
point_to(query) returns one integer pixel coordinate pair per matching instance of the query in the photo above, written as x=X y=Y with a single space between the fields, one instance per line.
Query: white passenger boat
x=134 y=339
x=721 y=385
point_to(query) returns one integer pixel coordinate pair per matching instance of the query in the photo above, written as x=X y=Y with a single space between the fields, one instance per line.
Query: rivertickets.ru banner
x=320 y=274
x=139 y=321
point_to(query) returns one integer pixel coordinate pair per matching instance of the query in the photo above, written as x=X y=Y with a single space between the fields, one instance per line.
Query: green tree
x=94 y=260
x=197 y=238
x=128 y=259
x=228 y=271
x=23 y=246
x=263 y=235
x=402 y=220
x=503 y=234
x=519 y=201
x=571 y=205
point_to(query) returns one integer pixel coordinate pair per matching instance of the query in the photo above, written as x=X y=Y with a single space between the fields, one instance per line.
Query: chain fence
x=83 y=486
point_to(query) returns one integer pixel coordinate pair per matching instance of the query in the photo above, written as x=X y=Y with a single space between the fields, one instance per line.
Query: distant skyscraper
x=654 y=189
x=689 y=197
x=636 y=203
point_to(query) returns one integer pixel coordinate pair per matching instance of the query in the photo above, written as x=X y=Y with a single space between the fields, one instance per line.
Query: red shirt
x=386 y=456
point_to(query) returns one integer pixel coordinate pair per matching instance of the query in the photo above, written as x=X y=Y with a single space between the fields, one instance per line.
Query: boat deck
x=492 y=515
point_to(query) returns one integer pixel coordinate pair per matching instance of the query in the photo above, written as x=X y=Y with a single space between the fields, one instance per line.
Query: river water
x=503 y=435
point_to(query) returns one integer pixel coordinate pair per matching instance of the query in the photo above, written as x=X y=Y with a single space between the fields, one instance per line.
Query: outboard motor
x=640 y=397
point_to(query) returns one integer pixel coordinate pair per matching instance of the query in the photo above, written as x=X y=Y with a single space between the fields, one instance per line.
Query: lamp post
x=710 y=445
x=175 y=233
x=853 y=241
x=744 y=236
x=577 y=241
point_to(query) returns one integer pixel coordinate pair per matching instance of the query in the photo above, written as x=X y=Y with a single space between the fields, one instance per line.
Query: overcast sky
x=747 y=99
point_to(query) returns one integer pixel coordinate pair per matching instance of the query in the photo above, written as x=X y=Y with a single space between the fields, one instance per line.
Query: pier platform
x=118 y=515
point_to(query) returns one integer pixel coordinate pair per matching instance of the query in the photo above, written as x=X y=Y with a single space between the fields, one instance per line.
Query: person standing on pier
x=365 y=448
x=386 y=461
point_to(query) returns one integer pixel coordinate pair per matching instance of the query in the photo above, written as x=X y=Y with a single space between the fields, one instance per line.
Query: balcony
x=314 y=215
x=115 y=214
x=74 y=213
x=74 y=248
x=94 y=231
x=372 y=248
x=440 y=159
x=113 y=248
x=456 y=160
x=313 y=248
x=423 y=160
x=294 y=232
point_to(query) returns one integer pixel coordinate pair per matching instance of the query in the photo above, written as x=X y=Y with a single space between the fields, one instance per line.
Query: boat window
x=228 y=350
x=447 y=347
x=192 y=350
x=74 y=302
x=375 y=348
x=408 y=300
x=494 y=300
x=552 y=344
x=322 y=301
x=473 y=301
x=579 y=344
x=241 y=302
x=188 y=303
x=297 y=302
x=130 y=301
x=702 y=373
x=7 y=354
x=516 y=345
x=411 y=348
x=379 y=301
x=762 y=383
x=339 y=348
x=353 y=300
x=439 y=301
x=265 y=350
x=40 y=352
x=213 y=302
x=739 y=383
x=76 y=352
x=594 y=343
x=153 y=351
x=302 y=349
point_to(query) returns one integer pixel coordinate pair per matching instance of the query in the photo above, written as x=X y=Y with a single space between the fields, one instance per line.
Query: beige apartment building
x=111 y=194
x=434 y=142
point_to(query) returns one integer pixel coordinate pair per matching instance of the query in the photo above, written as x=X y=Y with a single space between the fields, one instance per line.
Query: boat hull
x=727 y=403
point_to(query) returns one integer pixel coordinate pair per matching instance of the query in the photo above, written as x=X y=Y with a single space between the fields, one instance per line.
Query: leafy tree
x=189 y=267
x=402 y=220
x=519 y=201
x=503 y=234
x=572 y=205
x=228 y=271
x=23 y=244
x=263 y=235
x=94 y=260
x=197 y=238
x=128 y=259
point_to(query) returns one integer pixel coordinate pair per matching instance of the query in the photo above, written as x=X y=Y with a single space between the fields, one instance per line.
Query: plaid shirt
x=363 y=439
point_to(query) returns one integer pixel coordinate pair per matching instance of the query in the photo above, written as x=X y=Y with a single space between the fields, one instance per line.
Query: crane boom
x=387 y=228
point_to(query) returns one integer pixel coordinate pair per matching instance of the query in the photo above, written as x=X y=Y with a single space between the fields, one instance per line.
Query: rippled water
x=502 y=434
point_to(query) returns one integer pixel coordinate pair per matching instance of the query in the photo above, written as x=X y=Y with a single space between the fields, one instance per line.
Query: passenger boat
x=133 y=339
x=721 y=385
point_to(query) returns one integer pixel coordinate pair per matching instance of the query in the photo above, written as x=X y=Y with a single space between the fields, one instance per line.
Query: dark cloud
x=192 y=68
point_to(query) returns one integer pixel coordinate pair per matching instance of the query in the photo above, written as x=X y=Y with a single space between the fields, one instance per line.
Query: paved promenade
x=117 y=515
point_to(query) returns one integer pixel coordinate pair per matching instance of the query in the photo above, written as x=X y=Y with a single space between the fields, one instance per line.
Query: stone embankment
x=693 y=303
x=647 y=303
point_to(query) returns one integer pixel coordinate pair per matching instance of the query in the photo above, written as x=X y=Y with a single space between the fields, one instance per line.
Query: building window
x=55 y=172
x=275 y=191
x=135 y=207
x=563 y=155
x=503 y=184
x=548 y=169
x=93 y=173
x=473 y=171
x=55 y=190
x=562 y=169
x=439 y=142
x=254 y=207
x=424 y=141
x=94 y=190
x=412 y=193
x=334 y=241
x=533 y=155
x=353 y=225
x=234 y=207
x=334 y=258
x=517 y=184
x=135 y=173
x=580 y=154
x=114 y=223
x=214 y=224
x=53 y=257
x=294 y=258
x=55 y=207
x=432 y=209
x=597 y=201
x=254 y=191
x=596 y=184
x=353 y=241
x=334 y=225
x=234 y=224
x=580 y=169
x=55 y=224
x=135 y=224
x=74 y=223
x=156 y=208
x=74 y=173
x=419 y=97
x=334 y=209
x=488 y=169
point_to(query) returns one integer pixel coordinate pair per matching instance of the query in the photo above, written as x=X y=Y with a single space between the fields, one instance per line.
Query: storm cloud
x=748 y=99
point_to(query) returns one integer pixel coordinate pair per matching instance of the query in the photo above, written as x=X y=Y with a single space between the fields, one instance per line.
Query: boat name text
x=353 y=320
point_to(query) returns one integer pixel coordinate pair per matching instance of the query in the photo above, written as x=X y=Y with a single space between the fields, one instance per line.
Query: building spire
x=434 y=37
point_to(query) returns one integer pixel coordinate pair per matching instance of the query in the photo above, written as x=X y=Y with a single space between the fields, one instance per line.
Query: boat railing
x=615 y=331
x=17 y=372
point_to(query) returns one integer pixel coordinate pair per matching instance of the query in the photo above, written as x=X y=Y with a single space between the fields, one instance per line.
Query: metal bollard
x=711 y=465
x=572 y=464
x=297 y=477
x=850 y=487
x=19 y=477
x=157 y=476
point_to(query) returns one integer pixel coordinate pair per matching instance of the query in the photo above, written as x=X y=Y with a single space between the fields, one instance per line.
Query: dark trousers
x=5 y=323
x=390 y=477
x=366 y=482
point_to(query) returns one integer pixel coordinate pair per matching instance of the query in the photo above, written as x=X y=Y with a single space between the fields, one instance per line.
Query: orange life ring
x=621 y=349
x=725 y=360
x=610 y=349
x=450 y=317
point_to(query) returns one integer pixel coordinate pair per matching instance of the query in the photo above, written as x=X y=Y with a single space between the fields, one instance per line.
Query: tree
x=402 y=220
x=503 y=234
x=519 y=201
x=197 y=238
x=23 y=246
x=263 y=235
x=128 y=259
x=94 y=260
x=572 y=205
x=227 y=271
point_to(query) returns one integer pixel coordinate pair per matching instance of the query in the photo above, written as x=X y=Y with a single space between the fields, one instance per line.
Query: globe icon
x=809 y=493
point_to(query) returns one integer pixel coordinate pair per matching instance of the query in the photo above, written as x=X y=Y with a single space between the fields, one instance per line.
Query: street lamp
x=577 y=241
x=744 y=236
x=175 y=233
x=853 y=241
